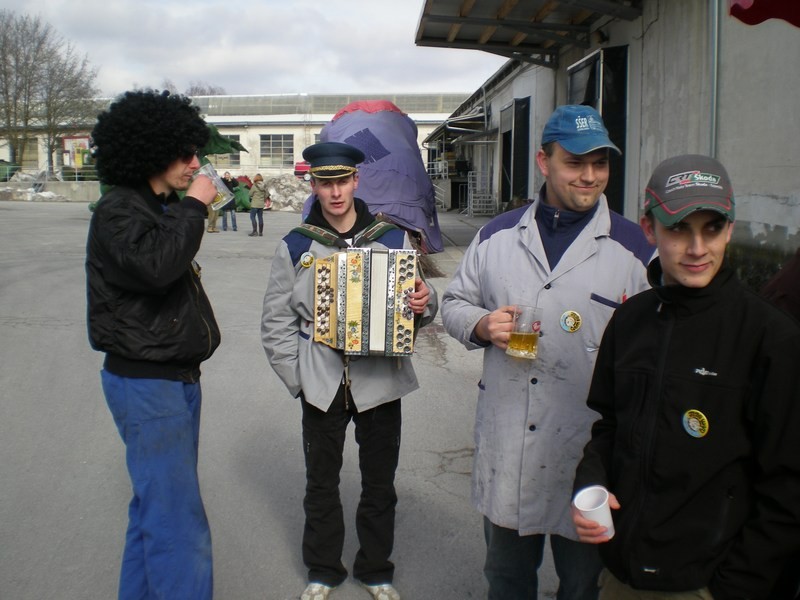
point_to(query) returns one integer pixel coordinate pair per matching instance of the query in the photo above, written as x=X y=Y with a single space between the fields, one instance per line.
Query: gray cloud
x=262 y=47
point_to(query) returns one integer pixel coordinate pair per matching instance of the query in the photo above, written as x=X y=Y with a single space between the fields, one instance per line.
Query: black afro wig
x=142 y=133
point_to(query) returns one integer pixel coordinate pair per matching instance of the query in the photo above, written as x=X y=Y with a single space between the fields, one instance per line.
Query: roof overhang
x=531 y=31
x=458 y=126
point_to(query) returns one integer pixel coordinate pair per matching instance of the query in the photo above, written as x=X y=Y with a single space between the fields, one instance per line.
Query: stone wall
x=50 y=191
x=287 y=191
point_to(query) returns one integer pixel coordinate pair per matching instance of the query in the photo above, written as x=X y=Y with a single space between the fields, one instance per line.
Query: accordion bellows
x=361 y=301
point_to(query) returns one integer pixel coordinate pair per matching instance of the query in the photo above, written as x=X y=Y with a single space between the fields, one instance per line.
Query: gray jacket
x=311 y=367
x=532 y=421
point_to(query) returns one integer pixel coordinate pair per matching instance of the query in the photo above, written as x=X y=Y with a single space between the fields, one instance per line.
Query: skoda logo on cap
x=690 y=177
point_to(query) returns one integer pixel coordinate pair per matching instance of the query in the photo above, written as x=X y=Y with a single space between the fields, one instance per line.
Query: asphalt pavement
x=64 y=488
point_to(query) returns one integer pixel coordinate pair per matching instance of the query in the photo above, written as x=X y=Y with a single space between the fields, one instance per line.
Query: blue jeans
x=512 y=562
x=168 y=543
x=257 y=213
x=225 y=219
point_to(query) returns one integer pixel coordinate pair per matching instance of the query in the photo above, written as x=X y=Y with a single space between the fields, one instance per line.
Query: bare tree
x=23 y=43
x=201 y=88
x=196 y=88
x=45 y=87
x=66 y=93
x=168 y=86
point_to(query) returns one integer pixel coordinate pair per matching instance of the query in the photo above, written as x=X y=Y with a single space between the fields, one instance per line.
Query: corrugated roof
x=294 y=104
x=533 y=31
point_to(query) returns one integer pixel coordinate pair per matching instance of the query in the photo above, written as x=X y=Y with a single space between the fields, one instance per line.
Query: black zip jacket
x=146 y=307
x=699 y=396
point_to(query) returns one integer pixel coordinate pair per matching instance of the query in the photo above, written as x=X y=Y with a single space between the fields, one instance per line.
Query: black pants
x=378 y=438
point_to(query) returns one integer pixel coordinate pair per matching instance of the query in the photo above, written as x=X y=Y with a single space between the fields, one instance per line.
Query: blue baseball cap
x=578 y=129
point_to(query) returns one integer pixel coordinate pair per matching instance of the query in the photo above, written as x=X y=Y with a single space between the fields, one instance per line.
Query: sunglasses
x=188 y=154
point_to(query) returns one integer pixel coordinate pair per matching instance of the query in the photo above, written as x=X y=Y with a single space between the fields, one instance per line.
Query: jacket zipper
x=647 y=453
x=346 y=377
x=194 y=277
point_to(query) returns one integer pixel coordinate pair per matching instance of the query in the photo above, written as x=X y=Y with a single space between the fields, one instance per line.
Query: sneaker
x=316 y=591
x=383 y=591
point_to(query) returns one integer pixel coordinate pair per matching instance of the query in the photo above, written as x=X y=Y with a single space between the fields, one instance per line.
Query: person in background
x=568 y=254
x=698 y=392
x=258 y=196
x=148 y=313
x=334 y=389
x=230 y=207
x=212 y=220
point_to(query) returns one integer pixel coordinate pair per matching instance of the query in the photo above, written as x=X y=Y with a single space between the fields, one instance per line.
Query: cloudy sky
x=266 y=47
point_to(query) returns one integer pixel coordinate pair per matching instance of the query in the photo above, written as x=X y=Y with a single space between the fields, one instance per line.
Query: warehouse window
x=277 y=151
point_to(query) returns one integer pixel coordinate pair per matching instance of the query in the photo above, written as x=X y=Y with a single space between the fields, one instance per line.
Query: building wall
x=759 y=132
x=757 y=123
x=527 y=81
x=250 y=117
x=670 y=90
x=303 y=133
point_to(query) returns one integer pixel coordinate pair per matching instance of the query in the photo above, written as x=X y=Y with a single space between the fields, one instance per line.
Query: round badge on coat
x=570 y=321
x=695 y=423
x=306 y=259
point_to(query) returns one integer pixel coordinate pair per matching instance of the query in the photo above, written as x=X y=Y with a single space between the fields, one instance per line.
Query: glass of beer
x=224 y=195
x=524 y=339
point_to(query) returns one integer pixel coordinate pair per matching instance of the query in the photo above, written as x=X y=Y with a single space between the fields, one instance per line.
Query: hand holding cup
x=591 y=514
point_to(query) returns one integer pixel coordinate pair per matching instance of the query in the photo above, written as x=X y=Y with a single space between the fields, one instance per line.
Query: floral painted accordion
x=361 y=303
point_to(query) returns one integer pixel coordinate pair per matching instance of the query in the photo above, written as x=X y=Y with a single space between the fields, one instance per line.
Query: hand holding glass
x=524 y=340
x=224 y=195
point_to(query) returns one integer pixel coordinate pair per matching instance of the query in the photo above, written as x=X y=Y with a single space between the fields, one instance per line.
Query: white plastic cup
x=592 y=503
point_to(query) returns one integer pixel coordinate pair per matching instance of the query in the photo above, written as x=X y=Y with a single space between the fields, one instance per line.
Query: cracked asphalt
x=63 y=485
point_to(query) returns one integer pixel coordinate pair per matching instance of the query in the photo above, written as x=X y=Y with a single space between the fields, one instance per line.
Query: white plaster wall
x=759 y=123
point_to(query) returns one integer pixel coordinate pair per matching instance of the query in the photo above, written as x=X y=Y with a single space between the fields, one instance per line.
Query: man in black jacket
x=148 y=312
x=698 y=391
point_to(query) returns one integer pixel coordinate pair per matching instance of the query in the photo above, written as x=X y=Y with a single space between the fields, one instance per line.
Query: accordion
x=361 y=303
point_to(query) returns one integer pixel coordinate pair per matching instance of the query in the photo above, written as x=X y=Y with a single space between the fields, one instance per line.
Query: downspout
x=713 y=18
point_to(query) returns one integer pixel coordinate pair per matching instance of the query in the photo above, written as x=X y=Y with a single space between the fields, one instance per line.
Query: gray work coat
x=532 y=421
x=312 y=367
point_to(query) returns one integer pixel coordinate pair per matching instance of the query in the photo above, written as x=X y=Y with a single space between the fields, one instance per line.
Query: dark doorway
x=515 y=122
x=601 y=80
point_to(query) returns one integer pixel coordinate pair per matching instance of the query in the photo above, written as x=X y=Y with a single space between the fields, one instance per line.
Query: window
x=225 y=161
x=277 y=151
x=30 y=155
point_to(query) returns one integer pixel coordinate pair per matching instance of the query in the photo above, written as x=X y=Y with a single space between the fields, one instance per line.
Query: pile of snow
x=18 y=193
x=288 y=192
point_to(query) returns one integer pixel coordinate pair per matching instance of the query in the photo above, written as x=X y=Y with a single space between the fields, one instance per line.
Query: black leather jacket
x=146 y=307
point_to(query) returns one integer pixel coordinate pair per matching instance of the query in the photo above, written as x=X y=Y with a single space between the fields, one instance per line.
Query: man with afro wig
x=148 y=313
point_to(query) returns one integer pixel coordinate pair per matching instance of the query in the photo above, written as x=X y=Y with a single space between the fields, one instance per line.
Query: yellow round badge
x=570 y=321
x=695 y=423
x=306 y=260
